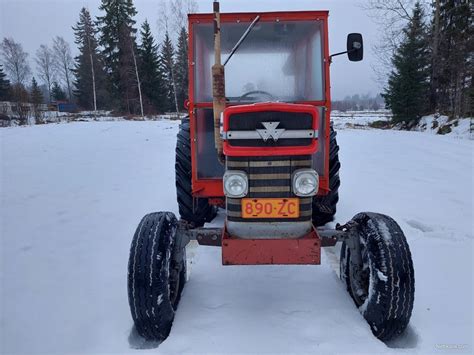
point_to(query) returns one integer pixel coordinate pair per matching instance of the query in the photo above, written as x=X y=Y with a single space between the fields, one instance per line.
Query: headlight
x=305 y=182
x=235 y=183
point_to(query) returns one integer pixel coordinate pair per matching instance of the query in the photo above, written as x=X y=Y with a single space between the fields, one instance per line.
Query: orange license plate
x=270 y=208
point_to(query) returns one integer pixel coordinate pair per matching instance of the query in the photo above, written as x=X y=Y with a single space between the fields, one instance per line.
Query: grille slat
x=269 y=183
x=238 y=164
x=269 y=163
x=269 y=176
x=301 y=163
x=270 y=189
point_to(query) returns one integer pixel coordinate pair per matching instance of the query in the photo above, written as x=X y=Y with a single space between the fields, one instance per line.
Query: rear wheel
x=156 y=275
x=196 y=211
x=324 y=207
x=377 y=270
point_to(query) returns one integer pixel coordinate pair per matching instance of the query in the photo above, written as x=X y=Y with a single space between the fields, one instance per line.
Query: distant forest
x=120 y=65
x=359 y=103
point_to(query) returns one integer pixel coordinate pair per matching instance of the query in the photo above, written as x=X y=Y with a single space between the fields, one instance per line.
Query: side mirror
x=355 y=47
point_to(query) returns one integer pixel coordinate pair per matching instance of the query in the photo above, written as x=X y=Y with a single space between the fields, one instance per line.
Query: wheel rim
x=360 y=278
x=174 y=284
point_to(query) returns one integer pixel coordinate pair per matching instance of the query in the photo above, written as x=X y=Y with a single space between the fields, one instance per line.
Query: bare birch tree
x=94 y=86
x=179 y=10
x=139 y=85
x=173 y=16
x=45 y=66
x=63 y=61
x=15 y=61
x=163 y=21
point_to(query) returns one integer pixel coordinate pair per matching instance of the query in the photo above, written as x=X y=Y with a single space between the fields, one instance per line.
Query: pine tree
x=408 y=86
x=455 y=45
x=36 y=97
x=117 y=38
x=167 y=67
x=181 y=71
x=4 y=85
x=36 y=94
x=58 y=93
x=151 y=76
x=90 y=89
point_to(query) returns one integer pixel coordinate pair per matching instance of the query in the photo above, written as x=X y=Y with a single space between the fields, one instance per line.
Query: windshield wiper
x=244 y=36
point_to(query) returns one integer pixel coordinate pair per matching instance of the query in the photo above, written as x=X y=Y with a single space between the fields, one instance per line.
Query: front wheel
x=377 y=270
x=156 y=275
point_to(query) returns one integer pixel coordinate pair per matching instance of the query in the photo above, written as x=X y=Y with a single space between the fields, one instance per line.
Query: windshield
x=278 y=61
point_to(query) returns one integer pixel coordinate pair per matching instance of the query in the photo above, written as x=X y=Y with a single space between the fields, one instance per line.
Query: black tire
x=156 y=275
x=195 y=211
x=324 y=207
x=383 y=287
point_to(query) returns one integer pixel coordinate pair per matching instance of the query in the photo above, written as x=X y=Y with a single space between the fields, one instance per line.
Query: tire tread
x=148 y=288
x=196 y=211
x=324 y=207
x=389 y=311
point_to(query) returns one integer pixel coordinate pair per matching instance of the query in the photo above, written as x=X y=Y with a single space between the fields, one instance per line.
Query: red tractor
x=259 y=144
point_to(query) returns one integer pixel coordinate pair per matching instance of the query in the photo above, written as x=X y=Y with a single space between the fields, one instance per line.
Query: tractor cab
x=283 y=59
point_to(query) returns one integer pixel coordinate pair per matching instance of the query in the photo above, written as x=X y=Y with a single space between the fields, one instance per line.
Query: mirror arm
x=341 y=53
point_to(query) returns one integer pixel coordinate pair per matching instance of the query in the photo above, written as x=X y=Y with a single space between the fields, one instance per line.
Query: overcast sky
x=36 y=22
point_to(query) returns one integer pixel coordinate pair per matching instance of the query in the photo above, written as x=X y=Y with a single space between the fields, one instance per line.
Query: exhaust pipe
x=218 y=83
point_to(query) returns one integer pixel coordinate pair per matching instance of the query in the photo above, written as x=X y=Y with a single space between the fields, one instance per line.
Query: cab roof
x=264 y=16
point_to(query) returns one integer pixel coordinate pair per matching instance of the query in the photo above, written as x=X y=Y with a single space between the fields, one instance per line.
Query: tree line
x=357 y=102
x=119 y=66
x=432 y=65
x=428 y=53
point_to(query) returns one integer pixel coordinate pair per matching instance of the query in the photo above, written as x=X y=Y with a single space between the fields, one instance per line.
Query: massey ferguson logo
x=270 y=131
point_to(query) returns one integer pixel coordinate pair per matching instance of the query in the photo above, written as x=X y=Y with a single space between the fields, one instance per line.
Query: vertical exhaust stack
x=218 y=83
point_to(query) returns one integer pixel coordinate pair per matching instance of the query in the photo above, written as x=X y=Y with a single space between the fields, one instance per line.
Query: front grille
x=269 y=177
x=251 y=121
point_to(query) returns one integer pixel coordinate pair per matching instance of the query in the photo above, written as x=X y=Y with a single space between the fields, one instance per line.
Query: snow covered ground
x=72 y=195
x=49 y=117
x=462 y=128
x=432 y=124
x=358 y=119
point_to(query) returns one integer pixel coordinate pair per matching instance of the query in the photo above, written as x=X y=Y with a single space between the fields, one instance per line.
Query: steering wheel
x=258 y=92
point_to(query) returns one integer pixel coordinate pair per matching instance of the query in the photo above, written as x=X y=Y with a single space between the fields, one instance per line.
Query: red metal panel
x=264 y=16
x=302 y=251
x=208 y=188
x=324 y=184
x=270 y=151
x=192 y=101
